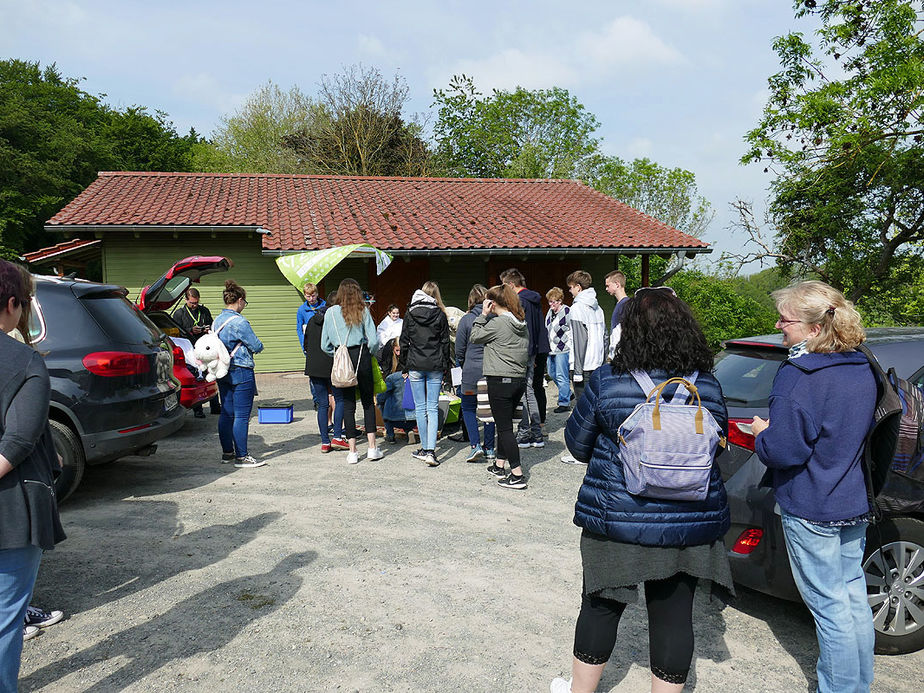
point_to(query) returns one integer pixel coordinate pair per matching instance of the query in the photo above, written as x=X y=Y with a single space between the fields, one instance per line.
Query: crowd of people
x=820 y=407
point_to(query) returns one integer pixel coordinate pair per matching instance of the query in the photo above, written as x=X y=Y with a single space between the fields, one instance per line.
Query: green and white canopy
x=313 y=266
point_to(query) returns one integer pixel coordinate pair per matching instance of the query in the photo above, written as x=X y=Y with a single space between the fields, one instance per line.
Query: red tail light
x=115 y=363
x=748 y=540
x=739 y=437
x=178 y=358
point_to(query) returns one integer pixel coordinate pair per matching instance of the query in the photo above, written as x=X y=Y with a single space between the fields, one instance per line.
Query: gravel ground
x=181 y=573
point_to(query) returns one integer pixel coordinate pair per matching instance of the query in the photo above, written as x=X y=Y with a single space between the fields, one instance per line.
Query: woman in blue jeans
x=821 y=406
x=29 y=520
x=470 y=356
x=318 y=365
x=425 y=358
x=238 y=388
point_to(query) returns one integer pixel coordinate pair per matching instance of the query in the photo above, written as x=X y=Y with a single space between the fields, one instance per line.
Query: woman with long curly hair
x=821 y=406
x=350 y=323
x=669 y=545
x=501 y=327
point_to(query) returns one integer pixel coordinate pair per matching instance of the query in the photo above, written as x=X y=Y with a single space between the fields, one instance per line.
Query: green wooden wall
x=135 y=261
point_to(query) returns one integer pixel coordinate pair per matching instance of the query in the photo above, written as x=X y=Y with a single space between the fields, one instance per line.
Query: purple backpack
x=667 y=447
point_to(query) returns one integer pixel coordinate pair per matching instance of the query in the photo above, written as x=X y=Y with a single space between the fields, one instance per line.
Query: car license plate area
x=170 y=402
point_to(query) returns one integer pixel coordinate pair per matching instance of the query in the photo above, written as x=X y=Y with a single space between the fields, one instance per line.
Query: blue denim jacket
x=238 y=332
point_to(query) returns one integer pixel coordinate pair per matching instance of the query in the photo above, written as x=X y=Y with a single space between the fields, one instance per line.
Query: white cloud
x=640 y=147
x=512 y=68
x=371 y=45
x=202 y=88
x=625 y=41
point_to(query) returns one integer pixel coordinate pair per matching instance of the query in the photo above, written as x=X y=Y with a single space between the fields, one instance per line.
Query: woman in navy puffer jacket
x=669 y=545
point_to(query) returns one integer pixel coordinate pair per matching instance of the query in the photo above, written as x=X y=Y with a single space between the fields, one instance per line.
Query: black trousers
x=504 y=394
x=670 y=627
x=366 y=394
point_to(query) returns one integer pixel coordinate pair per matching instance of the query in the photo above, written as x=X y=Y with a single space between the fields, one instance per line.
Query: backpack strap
x=221 y=327
x=645 y=382
x=681 y=393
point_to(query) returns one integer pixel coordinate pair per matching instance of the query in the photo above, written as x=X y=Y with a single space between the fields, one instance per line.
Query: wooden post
x=645 y=279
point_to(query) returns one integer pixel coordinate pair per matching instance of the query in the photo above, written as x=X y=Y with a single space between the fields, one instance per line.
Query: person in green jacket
x=501 y=327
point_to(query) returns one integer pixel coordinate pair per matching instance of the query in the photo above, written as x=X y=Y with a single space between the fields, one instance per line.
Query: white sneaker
x=352 y=458
x=374 y=454
x=29 y=632
x=568 y=458
x=559 y=685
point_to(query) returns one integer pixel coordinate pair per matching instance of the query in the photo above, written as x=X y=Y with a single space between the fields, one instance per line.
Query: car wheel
x=68 y=445
x=895 y=584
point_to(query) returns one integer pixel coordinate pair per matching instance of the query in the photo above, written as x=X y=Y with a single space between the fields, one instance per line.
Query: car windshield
x=120 y=320
x=747 y=375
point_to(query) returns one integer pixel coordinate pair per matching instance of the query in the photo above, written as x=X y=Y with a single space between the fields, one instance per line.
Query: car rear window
x=120 y=320
x=747 y=375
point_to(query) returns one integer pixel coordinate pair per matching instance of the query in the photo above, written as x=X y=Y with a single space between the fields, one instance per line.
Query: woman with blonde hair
x=501 y=327
x=821 y=407
x=424 y=356
x=350 y=323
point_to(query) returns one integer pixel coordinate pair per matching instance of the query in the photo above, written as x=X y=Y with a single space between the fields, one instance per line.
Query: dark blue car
x=746 y=368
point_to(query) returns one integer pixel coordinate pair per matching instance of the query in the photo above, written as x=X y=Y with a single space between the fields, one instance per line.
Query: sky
x=677 y=81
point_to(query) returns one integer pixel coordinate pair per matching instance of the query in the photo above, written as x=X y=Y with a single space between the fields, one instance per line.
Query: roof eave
x=625 y=250
x=96 y=228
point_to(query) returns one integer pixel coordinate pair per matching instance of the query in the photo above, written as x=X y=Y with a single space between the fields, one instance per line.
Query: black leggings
x=504 y=394
x=670 y=627
x=366 y=394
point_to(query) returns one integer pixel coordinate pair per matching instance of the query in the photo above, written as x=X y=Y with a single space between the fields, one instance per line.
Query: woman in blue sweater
x=821 y=407
x=669 y=545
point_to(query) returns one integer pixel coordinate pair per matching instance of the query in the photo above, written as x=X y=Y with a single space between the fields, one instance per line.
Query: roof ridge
x=315 y=176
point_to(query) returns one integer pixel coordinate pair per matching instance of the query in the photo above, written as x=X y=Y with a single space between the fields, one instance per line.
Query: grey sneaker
x=431 y=460
x=246 y=462
x=475 y=455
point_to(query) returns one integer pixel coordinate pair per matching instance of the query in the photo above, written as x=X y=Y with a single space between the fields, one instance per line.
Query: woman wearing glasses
x=821 y=406
x=237 y=389
x=669 y=545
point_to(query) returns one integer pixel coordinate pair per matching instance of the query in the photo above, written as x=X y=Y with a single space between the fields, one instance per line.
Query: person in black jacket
x=196 y=319
x=425 y=358
x=318 y=364
x=29 y=522
x=529 y=430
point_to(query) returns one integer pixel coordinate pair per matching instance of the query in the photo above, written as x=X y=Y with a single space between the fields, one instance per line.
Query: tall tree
x=55 y=137
x=667 y=194
x=357 y=128
x=545 y=133
x=843 y=131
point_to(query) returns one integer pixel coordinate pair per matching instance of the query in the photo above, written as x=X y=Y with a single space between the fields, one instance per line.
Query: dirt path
x=181 y=573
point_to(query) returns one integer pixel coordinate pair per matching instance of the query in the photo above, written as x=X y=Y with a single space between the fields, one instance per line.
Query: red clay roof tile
x=314 y=212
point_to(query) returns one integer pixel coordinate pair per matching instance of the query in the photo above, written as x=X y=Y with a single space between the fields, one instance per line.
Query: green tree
x=252 y=140
x=843 y=131
x=55 y=137
x=669 y=195
x=357 y=128
x=546 y=133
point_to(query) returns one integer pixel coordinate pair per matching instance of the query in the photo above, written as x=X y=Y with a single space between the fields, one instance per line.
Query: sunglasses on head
x=655 y=288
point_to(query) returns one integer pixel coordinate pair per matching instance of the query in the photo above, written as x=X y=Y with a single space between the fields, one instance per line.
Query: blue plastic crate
x=276 y=414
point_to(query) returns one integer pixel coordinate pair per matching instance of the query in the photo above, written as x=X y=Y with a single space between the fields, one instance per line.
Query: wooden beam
x=645 y=279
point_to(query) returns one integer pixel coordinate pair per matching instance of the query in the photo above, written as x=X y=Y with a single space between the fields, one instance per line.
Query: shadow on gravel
x=227 y=608
x=131 y=547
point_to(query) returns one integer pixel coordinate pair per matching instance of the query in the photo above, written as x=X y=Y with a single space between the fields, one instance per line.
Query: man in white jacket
x=588 y=334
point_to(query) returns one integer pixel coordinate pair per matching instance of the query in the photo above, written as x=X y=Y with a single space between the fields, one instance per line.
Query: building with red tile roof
x=458 y=231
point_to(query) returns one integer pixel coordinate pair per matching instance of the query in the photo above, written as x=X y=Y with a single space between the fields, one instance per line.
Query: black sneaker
x=497 y=471
x=513 y=481
x=227 y=457
x=524 y=441
x=561 y=409
x=419 y=454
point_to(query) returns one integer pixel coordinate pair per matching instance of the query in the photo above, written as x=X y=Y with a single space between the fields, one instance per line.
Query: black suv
x=757 y=553
x=112 y=387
